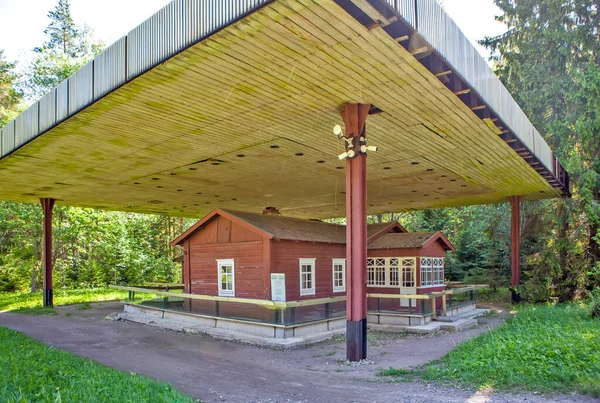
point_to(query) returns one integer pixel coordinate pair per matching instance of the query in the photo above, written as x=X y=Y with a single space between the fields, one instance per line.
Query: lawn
x=543 y=348
x=26 y=302
x=34 y=372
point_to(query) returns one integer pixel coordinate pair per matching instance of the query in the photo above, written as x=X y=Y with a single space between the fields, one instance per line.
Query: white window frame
x=387 y=265
x=226 y=262
x=408 y=264
x=338 y=262
x=435 y=269
x=307 y=262
x=438 y=271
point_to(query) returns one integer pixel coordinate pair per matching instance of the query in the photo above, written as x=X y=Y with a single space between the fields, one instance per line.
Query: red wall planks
x=248 y=262
x=286 y=260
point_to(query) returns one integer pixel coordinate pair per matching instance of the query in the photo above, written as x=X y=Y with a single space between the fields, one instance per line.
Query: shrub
x=595 y=303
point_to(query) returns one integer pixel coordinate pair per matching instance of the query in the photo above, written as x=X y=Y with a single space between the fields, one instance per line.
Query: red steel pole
x=515 y=242
x=356 y=236
x=47 y=208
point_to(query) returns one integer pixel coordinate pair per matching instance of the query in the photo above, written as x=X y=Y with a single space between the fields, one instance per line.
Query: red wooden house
x=239 y=254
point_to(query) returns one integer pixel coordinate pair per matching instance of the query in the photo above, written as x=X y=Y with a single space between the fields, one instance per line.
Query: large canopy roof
x=231 y=104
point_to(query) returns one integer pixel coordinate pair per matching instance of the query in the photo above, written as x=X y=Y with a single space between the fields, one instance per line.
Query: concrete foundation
x=266 y=334
x=461 y=309
x=282 y=336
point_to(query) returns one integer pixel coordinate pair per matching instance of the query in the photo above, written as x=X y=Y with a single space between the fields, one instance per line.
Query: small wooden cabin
x=238 y=254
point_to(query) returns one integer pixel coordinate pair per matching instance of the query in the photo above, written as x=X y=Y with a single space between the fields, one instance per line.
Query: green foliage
x=31 y=302
x=67 y=48
x=10 y=96
x=549 y=59
x=543 y=348
x=34 y=372
x=92 y=248
x=595 y=304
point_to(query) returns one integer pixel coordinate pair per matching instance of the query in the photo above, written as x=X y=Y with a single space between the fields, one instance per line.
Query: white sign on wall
x=278 y=287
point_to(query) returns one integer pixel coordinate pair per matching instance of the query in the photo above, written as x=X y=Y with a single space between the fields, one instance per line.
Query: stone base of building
x=290 y=336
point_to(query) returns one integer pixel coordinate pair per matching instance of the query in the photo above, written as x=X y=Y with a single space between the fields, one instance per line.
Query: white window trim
x=307 y=261
x=413 y=272
x=335 y=262
x=443 y=282
x=226 y=262
x=387 y=274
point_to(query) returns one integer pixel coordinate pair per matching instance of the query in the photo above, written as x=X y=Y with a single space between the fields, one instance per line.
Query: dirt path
x=218 y=371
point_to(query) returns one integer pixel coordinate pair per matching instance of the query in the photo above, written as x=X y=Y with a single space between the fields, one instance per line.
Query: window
x=307 y=276
x=426 y=272
x=438 y=271
x=408 y=271
x=339 y=275
x=394 y=272
x=432 y=271
x=226 y=277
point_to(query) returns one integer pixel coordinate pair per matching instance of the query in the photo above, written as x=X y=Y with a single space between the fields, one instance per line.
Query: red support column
x=47 y=208
x=355 y=117
x=515 y=242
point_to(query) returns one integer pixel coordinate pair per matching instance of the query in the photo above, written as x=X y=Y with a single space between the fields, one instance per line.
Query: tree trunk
x=593 y=247
x=563 y=227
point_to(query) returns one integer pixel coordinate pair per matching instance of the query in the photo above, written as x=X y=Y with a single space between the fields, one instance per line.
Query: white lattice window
x=226 y=272
x=394 y=270
x=339 y=275
x=426 y=272
x=408 y=271
x=307 y=276
x=370 y=271
x=438 y=271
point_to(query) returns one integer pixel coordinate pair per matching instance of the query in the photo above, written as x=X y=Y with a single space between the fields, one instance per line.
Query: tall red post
x=515 y=242
x=355 y=117
x=47 y=208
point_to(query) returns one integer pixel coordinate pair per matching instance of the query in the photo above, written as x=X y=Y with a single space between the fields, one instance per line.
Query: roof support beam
x=47 y=208
x=515 y=249
x=355 y=117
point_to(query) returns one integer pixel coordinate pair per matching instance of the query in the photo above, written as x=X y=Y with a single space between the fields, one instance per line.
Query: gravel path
x=218 y=371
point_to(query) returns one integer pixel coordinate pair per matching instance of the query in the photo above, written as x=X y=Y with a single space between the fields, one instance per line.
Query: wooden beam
x=419 y=51
x=47 y=209
x=462 y=92
x=444 y=73
x=515 y=241
x=355 y=117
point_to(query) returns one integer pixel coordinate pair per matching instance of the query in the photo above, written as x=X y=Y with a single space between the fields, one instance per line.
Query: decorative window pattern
x=307 y=276
x=432 y=271
x=339 y=275
x=393 y=272
x=408 y=271
x=226 y=277
x=438 y=271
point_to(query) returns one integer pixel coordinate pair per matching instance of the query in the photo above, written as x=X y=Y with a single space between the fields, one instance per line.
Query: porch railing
x=293 y=312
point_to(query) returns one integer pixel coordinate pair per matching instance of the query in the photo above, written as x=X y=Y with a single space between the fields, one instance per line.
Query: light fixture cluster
x=351 y=150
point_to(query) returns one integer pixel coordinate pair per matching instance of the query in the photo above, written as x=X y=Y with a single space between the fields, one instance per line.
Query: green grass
x=34 y=372
x=543 y=348
x=501 y=295
x=399 y=374
x=26 y=302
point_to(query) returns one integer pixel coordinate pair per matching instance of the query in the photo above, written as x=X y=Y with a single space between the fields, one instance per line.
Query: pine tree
x=10 y=97
x=550 y=60
x=64 y=37
x=66 y=49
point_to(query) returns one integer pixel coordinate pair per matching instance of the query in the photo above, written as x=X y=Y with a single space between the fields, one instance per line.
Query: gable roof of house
x=409 y=240
x=288 y=228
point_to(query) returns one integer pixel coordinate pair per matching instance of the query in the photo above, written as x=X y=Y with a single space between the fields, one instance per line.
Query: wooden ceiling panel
x=244 y=119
